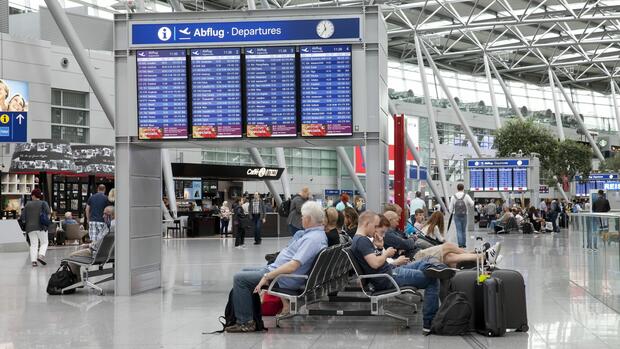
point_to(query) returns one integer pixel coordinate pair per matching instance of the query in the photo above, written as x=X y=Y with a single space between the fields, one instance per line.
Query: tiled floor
x=197 y=278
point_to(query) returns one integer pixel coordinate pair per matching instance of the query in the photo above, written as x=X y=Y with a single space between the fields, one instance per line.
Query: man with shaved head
x=394 y=239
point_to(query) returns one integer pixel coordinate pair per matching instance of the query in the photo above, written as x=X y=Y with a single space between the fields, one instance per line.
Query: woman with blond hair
x=4 y=94
x=17 y=103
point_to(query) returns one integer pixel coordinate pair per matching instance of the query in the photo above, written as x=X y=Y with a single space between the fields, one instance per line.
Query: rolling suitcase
x=483 y=223
x=515 y=305
x=490 y=300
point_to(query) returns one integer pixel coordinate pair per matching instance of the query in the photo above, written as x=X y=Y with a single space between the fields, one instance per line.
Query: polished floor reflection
x=197 y=278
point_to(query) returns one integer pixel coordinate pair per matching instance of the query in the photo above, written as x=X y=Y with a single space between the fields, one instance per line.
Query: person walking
x=459 y=203
x=94 y=213
x=239 y=218
x=418 y=204
x=257 y=211
x=490 y=210
x=601 y=204
x=34 y=215
x=225 y=214
x=294 y=216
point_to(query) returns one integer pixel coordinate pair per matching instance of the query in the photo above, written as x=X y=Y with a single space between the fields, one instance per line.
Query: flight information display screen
x=162 y=94
x=270 y=92
x=326 y=107
x=520 y=179
x=216 y=93
x=490 y=179
x=505 y=179
x=476 y=179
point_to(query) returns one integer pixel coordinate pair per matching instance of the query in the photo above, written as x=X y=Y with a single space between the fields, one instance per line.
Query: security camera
x=64 y=62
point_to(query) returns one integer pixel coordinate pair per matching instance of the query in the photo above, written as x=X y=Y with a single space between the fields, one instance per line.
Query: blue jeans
x=594 y=225
x=258 y=223
x=224 y=226
x=460 y=222
x=244 y=283
x=293 y=229
x=554 y=219
x=412 y=274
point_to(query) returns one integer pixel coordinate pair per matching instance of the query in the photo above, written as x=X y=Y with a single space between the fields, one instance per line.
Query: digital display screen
x=580 y=189
x=216 y=93
x=476 y=179
x=490 y=179
x=162 y=94
x=590 y=185
x=600 y=184
x=270 y=92
x=520 y=179
x=326 y=108
x=505 y=179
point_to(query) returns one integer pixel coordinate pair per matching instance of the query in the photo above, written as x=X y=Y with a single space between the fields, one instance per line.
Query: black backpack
x=285 y=207
x=229 y=318
x=453 y=317
x=63 y=277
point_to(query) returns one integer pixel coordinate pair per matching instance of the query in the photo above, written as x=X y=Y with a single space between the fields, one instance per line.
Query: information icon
x=164 y=33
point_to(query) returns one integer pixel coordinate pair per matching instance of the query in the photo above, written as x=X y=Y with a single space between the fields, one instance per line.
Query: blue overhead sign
x=13 y=127
x=413 y=172
x=332 y=192
x=498 y=163
x=247 y=31
x=600 y=176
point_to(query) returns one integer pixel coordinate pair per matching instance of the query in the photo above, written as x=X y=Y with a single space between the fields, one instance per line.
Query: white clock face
x=325 y=29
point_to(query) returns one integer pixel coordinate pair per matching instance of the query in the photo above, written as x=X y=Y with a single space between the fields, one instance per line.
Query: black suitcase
x=515 y=305
x=490 y=298
x=483 y=223
x=527 y=228
x=60 y=237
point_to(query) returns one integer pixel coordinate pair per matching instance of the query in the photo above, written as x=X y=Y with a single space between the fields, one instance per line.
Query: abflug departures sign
x=256 y=91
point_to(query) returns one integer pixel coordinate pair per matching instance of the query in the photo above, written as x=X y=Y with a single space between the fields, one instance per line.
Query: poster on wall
x=43 y=155
x=94 y=159
x=14 y=97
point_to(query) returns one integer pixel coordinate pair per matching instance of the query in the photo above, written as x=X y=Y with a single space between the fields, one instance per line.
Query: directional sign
x=13 y=127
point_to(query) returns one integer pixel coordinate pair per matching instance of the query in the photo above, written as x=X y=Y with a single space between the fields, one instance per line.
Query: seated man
x=68 y=220
x=393 y=238
x=296 y=258
x=498 y=224
x=423 y=274
x=89 y=250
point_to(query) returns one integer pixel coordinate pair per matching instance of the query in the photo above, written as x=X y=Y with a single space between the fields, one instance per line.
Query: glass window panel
x=75 y=117
x=56 y=116
x=74 y=99
x=56 y=97
x=56 y=132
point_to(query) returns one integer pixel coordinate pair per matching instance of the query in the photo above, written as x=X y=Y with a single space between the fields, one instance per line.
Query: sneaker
x=249 y=326
x=499 y=259
x=40 y=259
x=486 y=246
x=426 y=328
x=34 y=264
x=256 y=242
x=493 y=252
x=440 y=272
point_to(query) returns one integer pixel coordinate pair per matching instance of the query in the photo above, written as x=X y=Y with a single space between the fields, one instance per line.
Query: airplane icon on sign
x=305 y=49
x=250 y=51
x=195 y=53
x=184 y=31
x=141 y=54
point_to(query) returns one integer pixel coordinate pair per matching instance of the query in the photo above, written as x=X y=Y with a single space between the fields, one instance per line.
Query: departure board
x=270 y=92
x=476 y=179
x=490 y=179
x=326 y=108
x=216 y=93
x=505 y=179
x=520 y=179
x=162 y=94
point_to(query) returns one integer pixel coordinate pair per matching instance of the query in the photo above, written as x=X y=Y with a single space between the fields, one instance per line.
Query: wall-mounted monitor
x=162 y=94
x=490 y=179
x=476 y=179
x=326 y=91
x=520 y=179
x=505 y=179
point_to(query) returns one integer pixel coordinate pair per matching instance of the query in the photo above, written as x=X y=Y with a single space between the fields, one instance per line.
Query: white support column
x=615 y=103
x=258 y=159
x=344 y=158
x=431 y=119
x=561 y=190
x=507 y=92
x=487 y=70
x=79 y=52
x=583 y=127
x=176 y=5
x=556 y=106
x=281 y=159
x=166 y=167
x=455 y=107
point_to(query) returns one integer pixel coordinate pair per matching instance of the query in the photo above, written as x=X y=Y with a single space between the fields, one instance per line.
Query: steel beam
x=615 y=103
x=251 y=5
x=79 y=52
x=556 y=106
x=177 y=6
x=511 y=100
x=258 y=159
x=561 y=190
x=487 y=71
x=455 y=107
x=431 y=118
x=595 y=148
x=281 y=159
x=344 y=158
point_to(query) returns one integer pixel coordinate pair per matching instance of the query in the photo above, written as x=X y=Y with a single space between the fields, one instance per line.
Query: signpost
x=13 y=127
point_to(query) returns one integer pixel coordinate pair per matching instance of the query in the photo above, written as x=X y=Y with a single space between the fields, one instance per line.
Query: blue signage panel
x=332 y=192
x=347 y=191
x=580 y=189
x=600 y=176
x=505 y=179
x=326 y=107
x=13 y=127
x=490 y=179
x=612 y=186
x=520 y=179
x=498 y=163
x=591 y=185
x=162 y=94
x=247 y=31
x=476 y=179
x=216 y=93
x=413 y=172
x=270 y=92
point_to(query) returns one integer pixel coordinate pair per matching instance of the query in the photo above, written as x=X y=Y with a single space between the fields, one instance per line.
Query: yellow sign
x=4 y=118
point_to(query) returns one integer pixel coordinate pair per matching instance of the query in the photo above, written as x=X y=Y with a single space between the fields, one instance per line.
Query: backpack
x=63 y=277
x=44 y=219
x=460 y=207
x=453 y=316
x=285 y=208
x=230 y=319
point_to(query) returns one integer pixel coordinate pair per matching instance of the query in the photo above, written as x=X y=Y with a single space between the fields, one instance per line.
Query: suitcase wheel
x=523 y=328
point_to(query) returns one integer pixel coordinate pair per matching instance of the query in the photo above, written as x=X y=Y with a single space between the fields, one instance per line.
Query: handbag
x=44 y=219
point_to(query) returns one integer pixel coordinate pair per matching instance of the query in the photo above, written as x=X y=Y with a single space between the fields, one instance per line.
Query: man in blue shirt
x=94 y=213
x=422 y=274
x=296 y=258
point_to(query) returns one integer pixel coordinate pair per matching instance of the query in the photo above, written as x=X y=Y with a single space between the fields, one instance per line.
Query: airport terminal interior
x=309 y=174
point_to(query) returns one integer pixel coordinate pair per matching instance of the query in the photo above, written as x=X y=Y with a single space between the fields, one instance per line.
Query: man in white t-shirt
x=418 y=203
x=459 y=205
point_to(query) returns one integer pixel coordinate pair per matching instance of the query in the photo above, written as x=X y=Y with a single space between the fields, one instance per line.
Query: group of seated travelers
x=515 y=218
x=417 y=257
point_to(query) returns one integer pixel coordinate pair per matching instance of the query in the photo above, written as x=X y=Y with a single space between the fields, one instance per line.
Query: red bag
x=271 y=306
